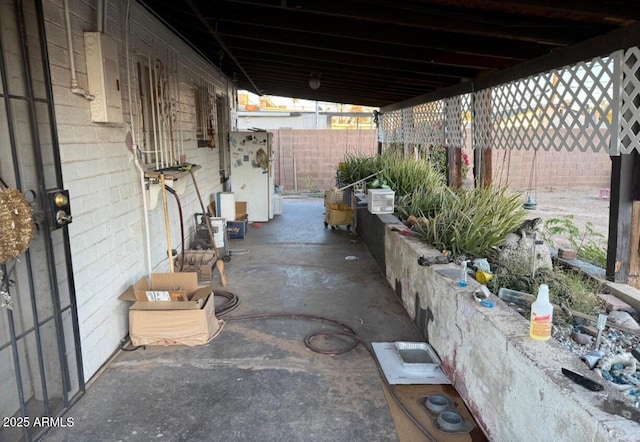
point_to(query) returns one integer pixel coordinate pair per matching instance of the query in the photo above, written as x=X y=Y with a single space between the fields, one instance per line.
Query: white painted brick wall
x=107 y=233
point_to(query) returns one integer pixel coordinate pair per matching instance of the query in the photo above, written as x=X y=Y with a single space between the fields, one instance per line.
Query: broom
x=219 y=262
x=167 y=224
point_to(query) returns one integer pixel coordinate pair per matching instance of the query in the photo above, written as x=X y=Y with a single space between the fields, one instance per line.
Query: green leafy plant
x=566 y=287
x=470 y=222
x=589 y=244
x=437 y=156
x=403 y=175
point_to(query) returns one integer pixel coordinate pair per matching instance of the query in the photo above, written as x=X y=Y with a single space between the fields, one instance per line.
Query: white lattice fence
x=629 y=117
x=589 y=106
x=391 y=124
x=457 y=120
x=428 y=124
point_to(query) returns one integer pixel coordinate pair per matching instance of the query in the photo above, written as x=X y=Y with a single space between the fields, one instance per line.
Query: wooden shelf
x=170 y=174
x=172 y=177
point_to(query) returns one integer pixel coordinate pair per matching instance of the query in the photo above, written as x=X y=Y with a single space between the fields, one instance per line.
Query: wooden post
x=454 y=167
x=623 y=254
x=482 y=154
x=482 y=167
x=634 y=249
x=487 y=167
x=452 y=136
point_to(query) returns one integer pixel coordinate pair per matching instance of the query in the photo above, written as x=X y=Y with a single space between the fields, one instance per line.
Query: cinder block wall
x=317 y=153
x=512 y=384
x=524 y=170
x=107 y=234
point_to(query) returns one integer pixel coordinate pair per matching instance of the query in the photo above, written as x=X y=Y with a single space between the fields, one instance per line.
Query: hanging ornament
x=17 y=227
x=530 y=204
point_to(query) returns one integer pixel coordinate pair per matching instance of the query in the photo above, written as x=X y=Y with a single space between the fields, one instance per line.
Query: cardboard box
x=241 y=211
x=237 y=229
x=199 y=261
x=191 y=322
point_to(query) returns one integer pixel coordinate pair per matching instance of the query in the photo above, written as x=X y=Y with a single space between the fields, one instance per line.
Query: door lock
x=60 y=208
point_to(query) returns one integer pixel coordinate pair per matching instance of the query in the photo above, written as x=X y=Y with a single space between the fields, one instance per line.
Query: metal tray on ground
x=417 y=356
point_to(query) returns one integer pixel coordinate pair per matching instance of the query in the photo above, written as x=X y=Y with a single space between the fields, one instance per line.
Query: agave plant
x=403 y=175
x=473 y=222
x=470 y=222
x=355 y=167
x=407 y=176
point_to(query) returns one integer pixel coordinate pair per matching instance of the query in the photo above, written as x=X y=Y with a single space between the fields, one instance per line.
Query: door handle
x=60 y=208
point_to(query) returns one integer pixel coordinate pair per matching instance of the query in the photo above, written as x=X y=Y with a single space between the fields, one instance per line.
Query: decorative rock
x=581 y=339
x=613 y=303
x=482 y=265
x=623 y=319
x=567 y=254
x=590 y=330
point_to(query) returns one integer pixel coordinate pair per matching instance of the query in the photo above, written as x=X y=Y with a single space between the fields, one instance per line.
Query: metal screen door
x=40 y=358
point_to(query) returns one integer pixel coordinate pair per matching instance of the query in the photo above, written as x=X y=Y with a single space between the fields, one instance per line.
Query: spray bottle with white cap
x=541 y=315
x=462 y=282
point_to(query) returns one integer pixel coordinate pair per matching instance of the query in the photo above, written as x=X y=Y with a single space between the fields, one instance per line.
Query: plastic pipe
x=152 y=112
x=75 y=88
x=295 y=176
x=145 y=209
x=100 y=16
x=127 y=47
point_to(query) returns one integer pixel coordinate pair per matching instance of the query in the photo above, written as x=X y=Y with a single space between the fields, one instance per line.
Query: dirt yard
x=584 y=204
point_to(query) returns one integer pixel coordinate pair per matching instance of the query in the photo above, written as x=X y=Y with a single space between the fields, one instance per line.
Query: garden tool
x=167 y=225
x=219 y=262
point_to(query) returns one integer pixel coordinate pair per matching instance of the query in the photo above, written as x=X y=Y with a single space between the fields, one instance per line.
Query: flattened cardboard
x=241 y=210
x=409 y=396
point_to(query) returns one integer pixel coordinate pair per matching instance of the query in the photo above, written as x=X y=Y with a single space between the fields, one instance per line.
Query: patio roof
x=378 y=52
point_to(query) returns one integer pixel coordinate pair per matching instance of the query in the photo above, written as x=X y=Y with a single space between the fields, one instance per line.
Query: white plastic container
x=381 y=201
x=218 y=227
x=277 y=205
x=541 y=315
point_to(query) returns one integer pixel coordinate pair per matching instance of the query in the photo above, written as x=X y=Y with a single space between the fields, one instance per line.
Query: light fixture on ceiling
x=314 y=81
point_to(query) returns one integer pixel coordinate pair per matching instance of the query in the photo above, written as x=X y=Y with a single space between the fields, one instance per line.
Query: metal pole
x=295 y=176
x=152 y=112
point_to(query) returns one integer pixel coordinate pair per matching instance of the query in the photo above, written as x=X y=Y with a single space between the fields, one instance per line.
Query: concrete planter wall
x=512 y=384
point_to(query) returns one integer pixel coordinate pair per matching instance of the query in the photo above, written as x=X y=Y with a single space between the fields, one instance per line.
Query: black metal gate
x=40 y=357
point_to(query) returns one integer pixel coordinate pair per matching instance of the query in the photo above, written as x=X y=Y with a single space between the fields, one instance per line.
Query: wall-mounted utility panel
x=104 y=77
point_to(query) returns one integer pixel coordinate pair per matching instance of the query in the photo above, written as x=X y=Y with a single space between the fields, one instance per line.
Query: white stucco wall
x=512 y=384
x=107 y=233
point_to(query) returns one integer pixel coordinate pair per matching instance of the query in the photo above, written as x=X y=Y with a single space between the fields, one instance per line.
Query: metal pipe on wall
x=74 y=86
x=136 y=160
x=100 y=16
x=152 y=112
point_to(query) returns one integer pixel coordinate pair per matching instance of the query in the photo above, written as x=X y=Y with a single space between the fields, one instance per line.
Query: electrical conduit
x=75 y=88
x=136 y=161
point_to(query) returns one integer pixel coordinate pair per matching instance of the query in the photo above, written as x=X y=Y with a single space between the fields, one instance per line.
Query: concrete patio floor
x=257 y=381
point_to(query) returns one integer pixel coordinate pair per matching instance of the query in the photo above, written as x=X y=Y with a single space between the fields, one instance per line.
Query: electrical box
x=381 y=201
x=104 y=77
